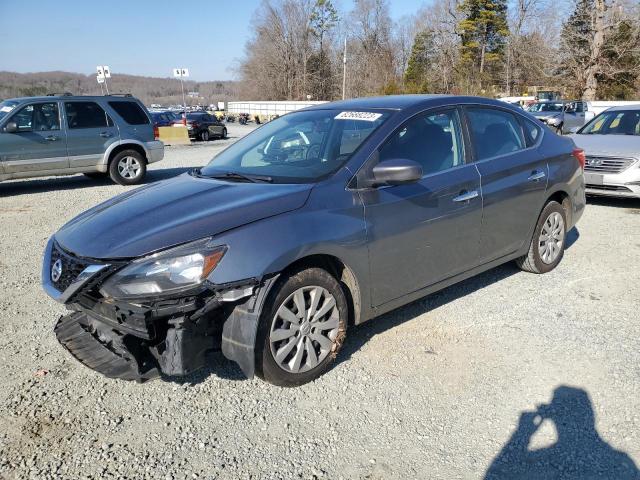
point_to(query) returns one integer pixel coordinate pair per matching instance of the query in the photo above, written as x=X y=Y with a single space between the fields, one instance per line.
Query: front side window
x=298 y=147
x=617 y=122
x=130 y=112
x=39 y=117
x=433 y=140
x=86 y=115
x=494 y=132
x=6 y=107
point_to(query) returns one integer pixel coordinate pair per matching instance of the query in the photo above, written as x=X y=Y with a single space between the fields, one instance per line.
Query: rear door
x=424 y=232
x=90 y=132
x=39 y=145
x=514 y=178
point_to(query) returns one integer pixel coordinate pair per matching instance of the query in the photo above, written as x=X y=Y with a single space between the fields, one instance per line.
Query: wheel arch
x=110 y=154
x=340 y=271
x=564 y=199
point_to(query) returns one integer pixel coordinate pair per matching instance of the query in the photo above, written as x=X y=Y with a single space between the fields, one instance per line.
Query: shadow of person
x=579 y=452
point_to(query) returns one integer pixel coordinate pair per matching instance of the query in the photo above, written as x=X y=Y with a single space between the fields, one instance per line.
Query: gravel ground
x=443 y=388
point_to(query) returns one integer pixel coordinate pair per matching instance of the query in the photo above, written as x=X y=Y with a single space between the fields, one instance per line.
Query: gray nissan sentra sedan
x=317 y=221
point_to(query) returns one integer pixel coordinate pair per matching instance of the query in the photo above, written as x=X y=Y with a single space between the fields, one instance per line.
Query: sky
x=139 y=37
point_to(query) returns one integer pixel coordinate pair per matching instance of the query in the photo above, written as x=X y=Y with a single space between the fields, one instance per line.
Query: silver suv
x=66 y=134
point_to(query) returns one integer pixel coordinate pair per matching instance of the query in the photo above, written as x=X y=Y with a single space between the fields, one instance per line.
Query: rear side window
x=495 y=132
x=86 y=115
x=130 y=112
x=532 y=132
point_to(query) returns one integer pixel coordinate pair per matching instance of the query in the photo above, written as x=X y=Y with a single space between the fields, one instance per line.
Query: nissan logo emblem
x=56 y=270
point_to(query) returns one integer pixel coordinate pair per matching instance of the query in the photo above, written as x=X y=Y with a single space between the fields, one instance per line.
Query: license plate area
x=593 y=178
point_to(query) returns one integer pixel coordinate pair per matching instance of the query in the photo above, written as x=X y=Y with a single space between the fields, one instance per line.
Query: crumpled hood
x=545 y=115
x=608 y=145
x=175 y=211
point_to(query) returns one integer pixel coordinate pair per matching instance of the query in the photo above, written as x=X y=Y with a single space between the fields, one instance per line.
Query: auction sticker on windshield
x=366 y=116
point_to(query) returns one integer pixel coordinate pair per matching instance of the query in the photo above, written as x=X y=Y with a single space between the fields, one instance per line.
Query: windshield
x=299 y=147
x=6 y=107
x=618 y=122
x=546 y=107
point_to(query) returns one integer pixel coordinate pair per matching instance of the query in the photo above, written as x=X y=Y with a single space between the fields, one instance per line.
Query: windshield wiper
x=234 y=176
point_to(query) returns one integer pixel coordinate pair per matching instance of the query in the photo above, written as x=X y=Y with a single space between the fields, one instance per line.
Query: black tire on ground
x=224 y=133
x=533 y=261
x=204 y=135
x=96 y=175
x=558 y=130
x=121 y=176
x=266 y=366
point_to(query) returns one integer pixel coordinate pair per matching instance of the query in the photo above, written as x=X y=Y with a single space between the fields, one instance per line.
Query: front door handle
x=465 y=196
x=51 y=138
x=105 y=134
x=535 y=176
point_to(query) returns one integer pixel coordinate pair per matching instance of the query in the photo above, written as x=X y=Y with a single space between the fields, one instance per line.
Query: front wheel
x=224 y=133
x=302 y=327
x=204 y=135
x=547 y=245
x=127 y=167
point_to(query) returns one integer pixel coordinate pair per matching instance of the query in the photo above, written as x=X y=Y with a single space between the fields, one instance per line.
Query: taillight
x=156 y=132
x=580 y=156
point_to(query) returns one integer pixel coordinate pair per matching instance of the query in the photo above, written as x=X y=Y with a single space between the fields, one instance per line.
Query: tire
x=289 y=354
x=224 y=133
x=96 y=175
x=131 y=174
x=558 y=130
x=204 y=135
x=544 y=256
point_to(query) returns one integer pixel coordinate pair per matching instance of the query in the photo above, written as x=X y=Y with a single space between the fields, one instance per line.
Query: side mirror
x=397 y=171
x=11 y=127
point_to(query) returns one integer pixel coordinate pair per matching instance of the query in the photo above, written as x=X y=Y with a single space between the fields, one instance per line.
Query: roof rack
x=63 y=94
x=119 y=95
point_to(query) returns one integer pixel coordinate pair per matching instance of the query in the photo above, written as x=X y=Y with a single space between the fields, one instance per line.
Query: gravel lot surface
x=443 y=388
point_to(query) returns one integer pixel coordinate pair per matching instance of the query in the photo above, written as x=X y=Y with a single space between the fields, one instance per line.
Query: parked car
x=561 y=116
x=612 y=143
x=203 y=126
x=62 y=135
x=162 y=119
x=280 y=244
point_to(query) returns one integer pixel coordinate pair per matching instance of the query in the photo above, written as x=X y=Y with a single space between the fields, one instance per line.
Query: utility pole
x=344 y=69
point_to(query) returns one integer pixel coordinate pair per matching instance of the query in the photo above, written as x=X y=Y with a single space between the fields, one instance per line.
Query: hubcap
x=551 y=238
x=129 y=167
x=304 y=329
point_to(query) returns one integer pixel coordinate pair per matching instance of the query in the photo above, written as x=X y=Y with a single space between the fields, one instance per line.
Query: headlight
x=553 y=120
x=167 y=272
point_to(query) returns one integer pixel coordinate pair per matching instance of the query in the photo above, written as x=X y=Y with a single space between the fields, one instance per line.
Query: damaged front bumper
x=139 y=341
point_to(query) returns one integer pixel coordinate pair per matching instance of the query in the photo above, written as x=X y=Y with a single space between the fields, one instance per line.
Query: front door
x=90 y=132
x=574 y=116
x=427 y=231
x=38 y=145
x=514 y=178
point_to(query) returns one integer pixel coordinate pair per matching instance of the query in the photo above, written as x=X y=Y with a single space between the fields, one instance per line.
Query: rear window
x=130 y=112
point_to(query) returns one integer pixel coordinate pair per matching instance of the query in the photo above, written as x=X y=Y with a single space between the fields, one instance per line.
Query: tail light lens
x=580 y=156
x=156 y=132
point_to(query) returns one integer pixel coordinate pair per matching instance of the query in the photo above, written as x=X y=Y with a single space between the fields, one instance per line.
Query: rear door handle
x=535 y=176
x=465 y=196
x=51 y=138
x=105 y=134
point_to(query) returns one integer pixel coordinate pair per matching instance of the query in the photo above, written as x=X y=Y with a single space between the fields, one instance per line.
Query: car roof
x=71 y=97
x=402 y=102
x=618 y=108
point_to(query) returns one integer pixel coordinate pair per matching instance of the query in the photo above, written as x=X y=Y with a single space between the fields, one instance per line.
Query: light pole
x=181 y=73
x=344 y=69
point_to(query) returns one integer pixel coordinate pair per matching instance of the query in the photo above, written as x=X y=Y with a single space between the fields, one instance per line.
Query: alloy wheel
x=304 y=329
x=551 y=238
x=129 y=167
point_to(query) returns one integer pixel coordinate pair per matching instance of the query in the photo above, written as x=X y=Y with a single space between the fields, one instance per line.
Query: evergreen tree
x=620 y=84
x=483 y=32
x=416 y=76
x=575 y=45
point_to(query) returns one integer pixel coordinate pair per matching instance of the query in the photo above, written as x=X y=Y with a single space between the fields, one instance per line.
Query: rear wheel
x=547 y=245
x=127 y=167
x=302 y=328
